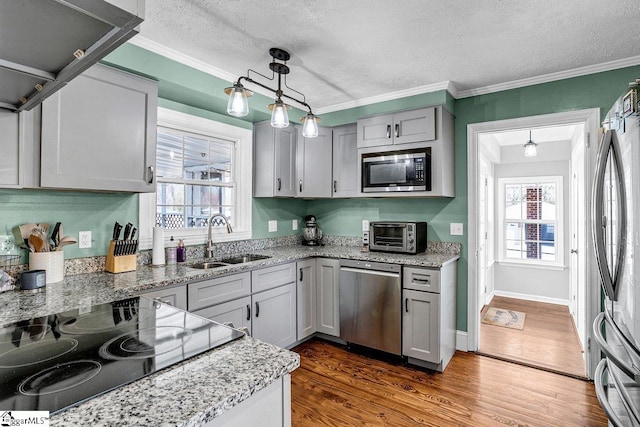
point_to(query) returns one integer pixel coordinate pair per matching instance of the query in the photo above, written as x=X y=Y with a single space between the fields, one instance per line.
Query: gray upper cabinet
x=274 y=161
x=313 y=164
x=345 y=162
x=10 y=142
x=399 y=128
x=99 y=133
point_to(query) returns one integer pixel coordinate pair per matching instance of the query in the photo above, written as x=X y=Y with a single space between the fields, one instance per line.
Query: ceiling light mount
x=239 y=104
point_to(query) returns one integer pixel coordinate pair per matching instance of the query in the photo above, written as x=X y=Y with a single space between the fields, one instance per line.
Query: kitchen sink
x=207 y=265
x=244 y=258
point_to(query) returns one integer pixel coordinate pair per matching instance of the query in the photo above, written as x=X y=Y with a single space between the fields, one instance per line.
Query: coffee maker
x=311 y=233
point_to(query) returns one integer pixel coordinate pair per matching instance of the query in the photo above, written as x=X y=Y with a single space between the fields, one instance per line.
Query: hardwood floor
x=549 y=339
x=335 y=387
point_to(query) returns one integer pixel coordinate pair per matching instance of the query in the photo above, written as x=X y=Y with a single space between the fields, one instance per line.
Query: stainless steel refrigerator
x=615 y=215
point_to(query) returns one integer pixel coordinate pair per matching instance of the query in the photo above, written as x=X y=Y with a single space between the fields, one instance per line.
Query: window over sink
x=203 y=168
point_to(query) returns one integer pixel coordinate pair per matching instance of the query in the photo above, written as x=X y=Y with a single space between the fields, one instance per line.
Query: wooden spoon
x=66 y=240
x=37 y=242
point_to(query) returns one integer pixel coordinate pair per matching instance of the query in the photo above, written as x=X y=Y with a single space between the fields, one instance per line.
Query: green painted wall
x=281 y=210
x=77 y=211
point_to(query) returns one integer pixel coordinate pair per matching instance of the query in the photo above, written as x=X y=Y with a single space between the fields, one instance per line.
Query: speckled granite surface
x=191 y=392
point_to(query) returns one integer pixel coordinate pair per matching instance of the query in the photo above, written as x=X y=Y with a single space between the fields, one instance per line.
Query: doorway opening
x=528 y=230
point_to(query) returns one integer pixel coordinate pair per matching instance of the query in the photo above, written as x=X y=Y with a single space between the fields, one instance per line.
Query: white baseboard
x=461 y=341
x=528 y=297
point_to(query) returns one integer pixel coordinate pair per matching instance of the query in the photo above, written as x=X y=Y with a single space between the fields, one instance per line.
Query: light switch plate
x=273 y=226
x=294 y=224
x=456 y=229
x=365 y=225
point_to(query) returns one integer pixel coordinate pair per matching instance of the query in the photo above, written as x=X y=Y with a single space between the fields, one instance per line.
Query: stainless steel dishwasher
x=370 y=305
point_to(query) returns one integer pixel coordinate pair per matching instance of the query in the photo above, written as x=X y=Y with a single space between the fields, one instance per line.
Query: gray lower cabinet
x=274 y=315
x=99 y=133
x=236 y=312
x=345 y=162
x=429 y=315
x=274 y=172
x=175 y=296
x=218 y=290
x=328 y=296
x=306 y=298
x=313 y=164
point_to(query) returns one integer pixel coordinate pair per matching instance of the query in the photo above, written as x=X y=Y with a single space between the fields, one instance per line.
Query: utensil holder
x=120 y=263
x=51 y=262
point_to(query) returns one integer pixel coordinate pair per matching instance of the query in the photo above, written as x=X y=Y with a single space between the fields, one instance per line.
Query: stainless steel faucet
x=209 y=239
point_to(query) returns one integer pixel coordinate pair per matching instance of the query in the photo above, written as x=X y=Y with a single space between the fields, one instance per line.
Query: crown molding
x=551 y=77
x=446 y=85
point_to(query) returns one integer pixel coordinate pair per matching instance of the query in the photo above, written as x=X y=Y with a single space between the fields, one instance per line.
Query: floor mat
x=502 y=317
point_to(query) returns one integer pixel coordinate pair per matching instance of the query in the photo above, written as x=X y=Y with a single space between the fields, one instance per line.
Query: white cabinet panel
x=10 y=143
x=420 y=338
x=99 y=133
x=220 y=289
x=175 y=296
x=328 y=296
x=314 y=163
x=274 y=161
x=414 y=126
x=306 y=297
x=346 y=182
x=237 y=312
x=274 y=315
x=271 y=277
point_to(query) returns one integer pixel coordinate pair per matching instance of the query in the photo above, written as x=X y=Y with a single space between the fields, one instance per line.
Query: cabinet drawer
x=175 y=296
x=221 y=289
x=237 y=312
x=271 y=277
x=421 y=279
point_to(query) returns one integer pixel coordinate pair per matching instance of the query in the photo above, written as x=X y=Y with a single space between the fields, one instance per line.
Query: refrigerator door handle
x=609 y=149
x=625 y=366
x=601 y=393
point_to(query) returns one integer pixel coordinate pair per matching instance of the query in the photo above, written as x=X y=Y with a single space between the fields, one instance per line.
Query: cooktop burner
x=66 y=358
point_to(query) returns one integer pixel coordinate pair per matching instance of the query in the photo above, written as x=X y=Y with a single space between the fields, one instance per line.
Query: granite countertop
x=191 y=392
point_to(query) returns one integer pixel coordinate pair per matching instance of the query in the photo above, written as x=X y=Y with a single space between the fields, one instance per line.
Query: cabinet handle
x=388 y=131
x=301 y=186
x=406 y=305
x=248 y=311
x=150 y=174
x=279 y=184
x=335 y=186
x=301 y=275
x=397 y=130
x=257 y=309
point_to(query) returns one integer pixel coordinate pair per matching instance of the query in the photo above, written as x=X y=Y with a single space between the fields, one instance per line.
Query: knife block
x=121 y=263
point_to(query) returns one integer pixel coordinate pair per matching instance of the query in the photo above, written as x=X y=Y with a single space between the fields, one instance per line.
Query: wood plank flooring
x=549 y=339
x=335 y=387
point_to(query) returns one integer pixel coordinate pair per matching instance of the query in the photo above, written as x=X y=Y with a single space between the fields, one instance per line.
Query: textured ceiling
x=347 y=51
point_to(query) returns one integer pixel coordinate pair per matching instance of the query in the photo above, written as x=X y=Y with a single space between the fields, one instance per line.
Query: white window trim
x=243 y=139
x=558 y=264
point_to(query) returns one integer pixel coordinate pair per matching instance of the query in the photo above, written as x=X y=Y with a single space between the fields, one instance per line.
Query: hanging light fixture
x=238 y=104
x=530 y=149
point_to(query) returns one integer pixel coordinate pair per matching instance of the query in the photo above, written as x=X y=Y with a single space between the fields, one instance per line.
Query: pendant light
x=530 y=149
x=238 y=104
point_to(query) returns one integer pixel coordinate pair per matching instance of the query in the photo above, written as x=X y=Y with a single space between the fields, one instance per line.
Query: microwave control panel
x=418 y=165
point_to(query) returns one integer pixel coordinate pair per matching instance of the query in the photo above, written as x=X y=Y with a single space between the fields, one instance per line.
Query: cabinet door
x=264 y=173
x=175 y=296
x=375 y=131
x=285 y=162
x=272 y=277
x=306 y=297
x=421 y=325
x=220 y=289
x=328 y=296
x=99 y=133
x=414 y=126
x=313 y=164
x=274 y=315
x=345 y=162
x=237 y=312
x=10 y=159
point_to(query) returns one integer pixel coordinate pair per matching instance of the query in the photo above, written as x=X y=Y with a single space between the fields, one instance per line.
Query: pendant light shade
x=530 y=149
x=279 y=116
x=310 y=126
x=238 y=104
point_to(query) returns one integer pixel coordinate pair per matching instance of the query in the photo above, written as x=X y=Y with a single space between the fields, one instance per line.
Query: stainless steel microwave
x=407 y=170
x=398 y=236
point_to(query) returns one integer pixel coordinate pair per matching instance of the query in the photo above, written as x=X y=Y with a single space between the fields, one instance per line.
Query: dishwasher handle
x=374 y=272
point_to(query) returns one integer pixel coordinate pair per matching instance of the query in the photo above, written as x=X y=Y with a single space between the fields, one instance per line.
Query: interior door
x=482 y=232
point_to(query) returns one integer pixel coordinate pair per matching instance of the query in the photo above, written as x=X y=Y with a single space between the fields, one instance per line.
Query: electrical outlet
x=455 y=229
x=8 y=245
x=273 y=226
x=294 y=224
x=365 y=225
x=84 y=239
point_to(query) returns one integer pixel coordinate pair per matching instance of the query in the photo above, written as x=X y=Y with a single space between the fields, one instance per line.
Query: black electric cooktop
x=53 y=362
